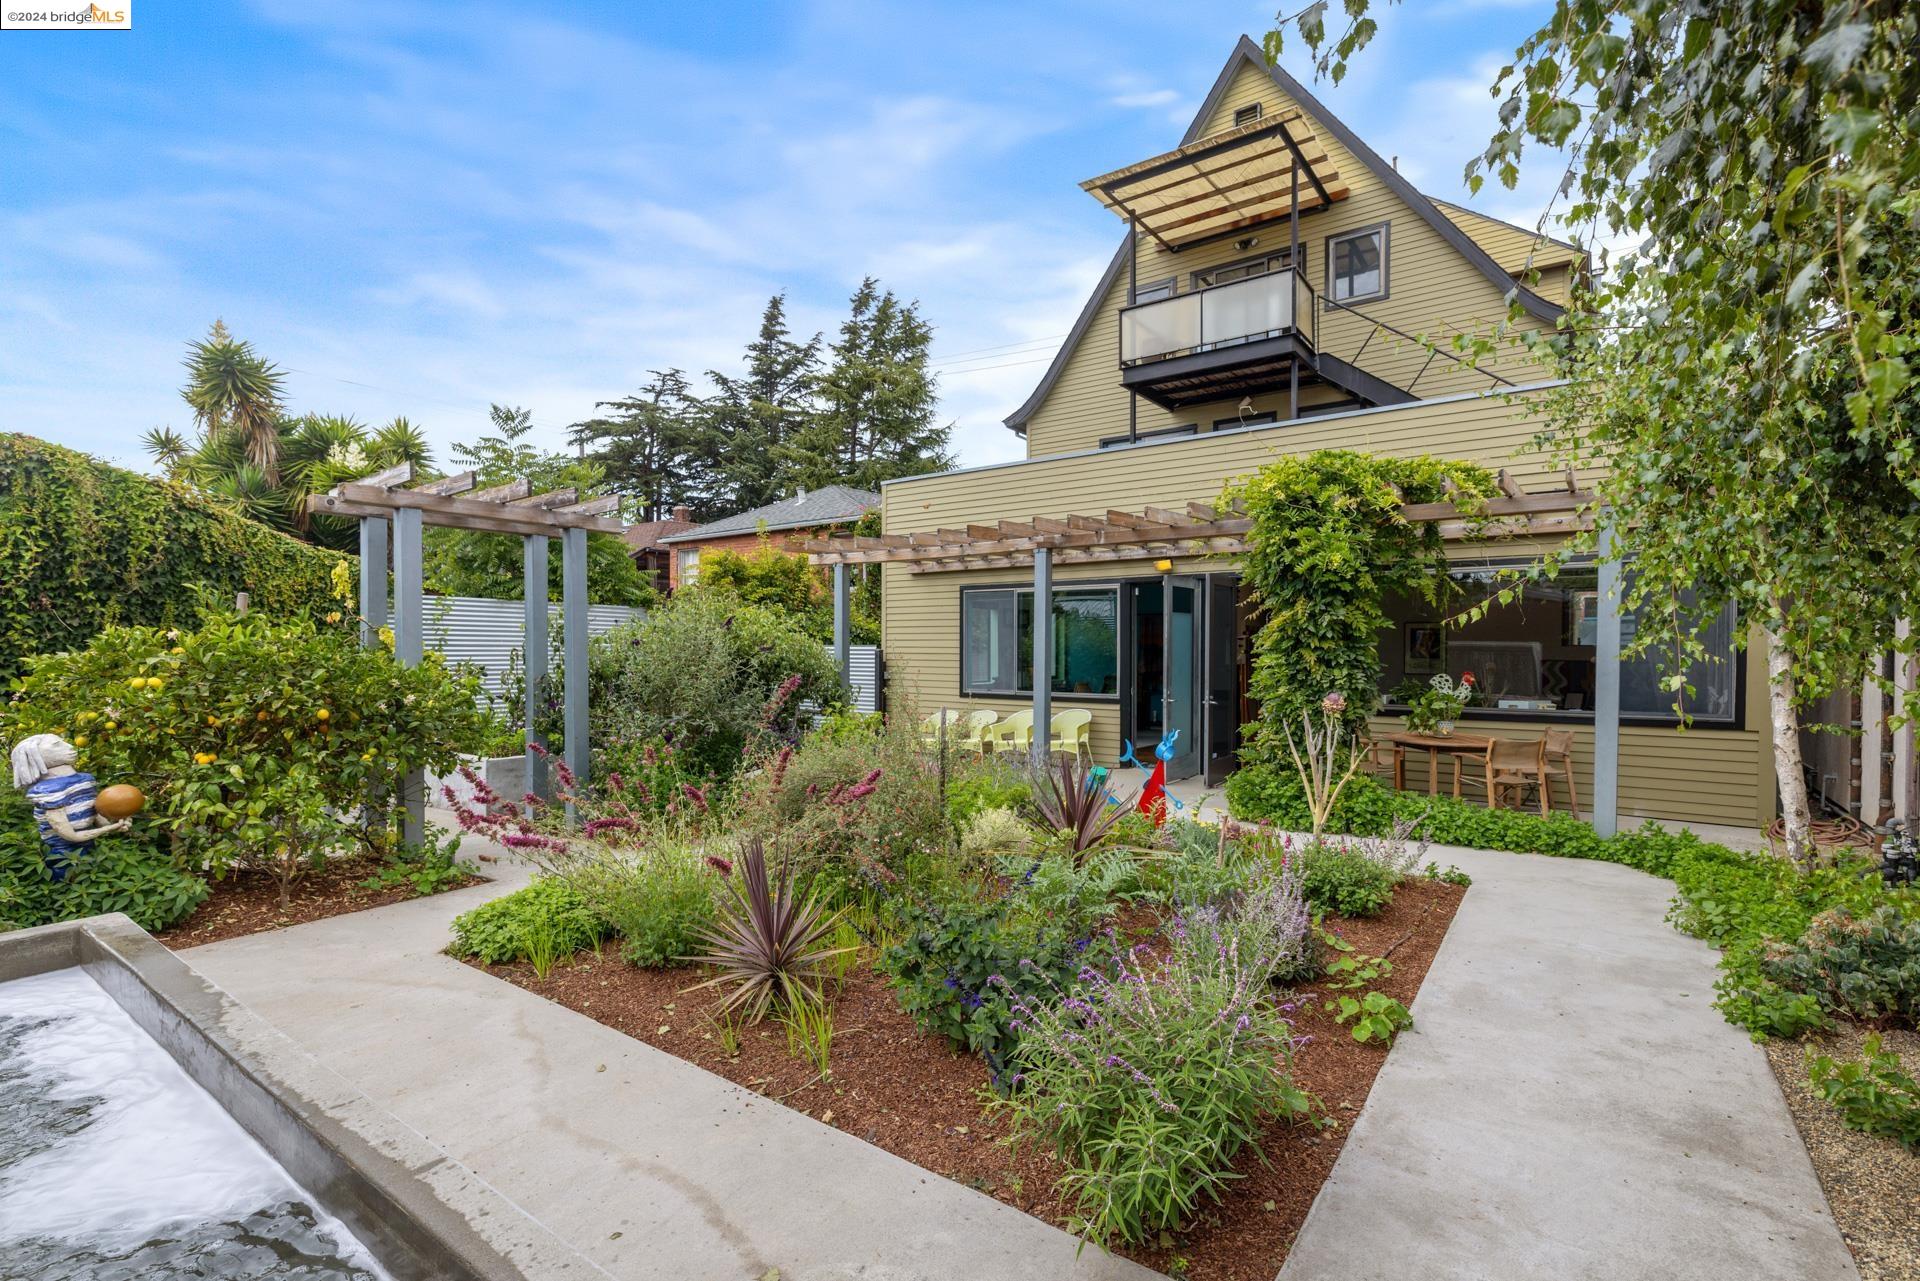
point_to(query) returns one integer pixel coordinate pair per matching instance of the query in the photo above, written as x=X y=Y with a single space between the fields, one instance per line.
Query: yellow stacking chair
x=976 y=732
x=1014 y=734
x=1071 y=731
x=930 y=728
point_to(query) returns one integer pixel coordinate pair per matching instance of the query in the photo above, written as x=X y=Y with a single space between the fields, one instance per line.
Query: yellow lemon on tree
x=213 y=720
x=178 y=650
x=138 y=682
x=113 y=725
x=80 y=741
x=153 y=682
x=322 y=714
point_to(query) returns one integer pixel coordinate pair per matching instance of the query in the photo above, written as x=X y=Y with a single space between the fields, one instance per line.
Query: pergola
x=390 y=498
x=1200 y=529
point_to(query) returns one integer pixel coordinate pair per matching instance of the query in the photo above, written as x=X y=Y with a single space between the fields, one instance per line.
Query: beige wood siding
x=1702 y=775
x=1433 y=293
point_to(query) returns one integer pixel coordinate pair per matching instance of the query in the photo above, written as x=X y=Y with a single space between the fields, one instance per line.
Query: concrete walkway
x=1570 y=1106
x=648 y=1166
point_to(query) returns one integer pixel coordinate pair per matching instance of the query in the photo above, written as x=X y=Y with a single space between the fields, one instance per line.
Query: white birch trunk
x=1787 y=766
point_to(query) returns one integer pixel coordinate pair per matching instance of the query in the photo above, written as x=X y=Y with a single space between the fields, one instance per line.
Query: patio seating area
x=1506 y=773
x=986 y=732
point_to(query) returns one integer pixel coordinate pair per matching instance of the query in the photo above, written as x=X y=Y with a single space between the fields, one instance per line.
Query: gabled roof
x=1246 y=51
x=647 y=534
x=828 y=505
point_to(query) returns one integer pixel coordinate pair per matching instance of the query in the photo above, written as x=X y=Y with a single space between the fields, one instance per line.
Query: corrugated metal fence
x=487 y=632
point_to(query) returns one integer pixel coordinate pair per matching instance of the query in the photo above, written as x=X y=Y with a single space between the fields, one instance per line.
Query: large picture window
x=1536 y=655
x=996 y=636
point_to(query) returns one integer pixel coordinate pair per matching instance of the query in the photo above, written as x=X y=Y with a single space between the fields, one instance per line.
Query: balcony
x=1224 y=341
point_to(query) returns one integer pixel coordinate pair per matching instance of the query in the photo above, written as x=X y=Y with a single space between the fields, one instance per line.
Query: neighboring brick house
x=649 y=556
x=787 y=523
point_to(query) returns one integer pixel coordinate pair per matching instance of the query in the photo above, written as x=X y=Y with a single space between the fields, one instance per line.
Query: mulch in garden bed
x=912 y=1094
x=248 y=902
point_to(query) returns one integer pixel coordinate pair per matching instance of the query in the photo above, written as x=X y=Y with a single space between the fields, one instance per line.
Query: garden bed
x=1872 y=1183
x=248 y=902
x=911 y=1093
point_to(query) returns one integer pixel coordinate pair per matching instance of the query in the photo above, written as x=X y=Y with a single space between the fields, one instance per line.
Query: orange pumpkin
x=122 y=800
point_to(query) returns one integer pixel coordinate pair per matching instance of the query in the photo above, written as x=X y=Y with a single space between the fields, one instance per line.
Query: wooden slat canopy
x=1157 y=532
x=452 y=501
x=1223 y=182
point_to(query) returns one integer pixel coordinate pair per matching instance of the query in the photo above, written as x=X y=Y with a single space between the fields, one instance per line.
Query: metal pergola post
x=1606 y=689
x=533 y=585
x=843 y=624
x=573 y=621
x=1042 y=652
x=409 y=571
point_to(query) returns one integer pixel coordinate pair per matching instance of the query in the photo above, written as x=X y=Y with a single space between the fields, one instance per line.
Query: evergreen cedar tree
x=1745 y=371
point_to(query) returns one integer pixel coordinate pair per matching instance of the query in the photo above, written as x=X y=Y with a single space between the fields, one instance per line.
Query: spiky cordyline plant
x=768 y=945
x=1070 y=799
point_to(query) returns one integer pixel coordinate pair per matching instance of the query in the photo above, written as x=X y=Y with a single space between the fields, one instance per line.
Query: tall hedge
x=85 y=544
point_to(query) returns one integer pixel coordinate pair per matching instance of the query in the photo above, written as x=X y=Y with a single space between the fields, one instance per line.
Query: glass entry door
x=1186 y=597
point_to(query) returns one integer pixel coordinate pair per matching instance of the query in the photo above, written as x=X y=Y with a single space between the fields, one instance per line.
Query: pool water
x=115 y=1165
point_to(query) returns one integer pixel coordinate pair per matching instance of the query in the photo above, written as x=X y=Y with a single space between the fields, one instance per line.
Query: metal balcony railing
x=1241 y=311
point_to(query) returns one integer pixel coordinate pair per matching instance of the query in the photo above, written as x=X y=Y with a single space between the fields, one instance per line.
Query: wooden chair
x=1559 y=748
x=1380 y=756
x=1071 y=731
x=1509 y=762
x=1014 y=733
x=974 y=734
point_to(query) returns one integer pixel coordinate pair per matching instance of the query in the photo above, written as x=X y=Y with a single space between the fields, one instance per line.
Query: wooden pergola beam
x=503 y=493
x=357 y=499
x=552 y=498
x=448 y=485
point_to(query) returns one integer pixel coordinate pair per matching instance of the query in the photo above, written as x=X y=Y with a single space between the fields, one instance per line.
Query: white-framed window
x=689 y=565
x=1357 y=264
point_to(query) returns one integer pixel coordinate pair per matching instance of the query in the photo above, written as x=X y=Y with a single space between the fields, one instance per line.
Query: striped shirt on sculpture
x=71 y=792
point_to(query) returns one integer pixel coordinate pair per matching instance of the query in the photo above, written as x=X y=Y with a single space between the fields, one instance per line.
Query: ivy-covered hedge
x=1739 y=902
x=86 y=545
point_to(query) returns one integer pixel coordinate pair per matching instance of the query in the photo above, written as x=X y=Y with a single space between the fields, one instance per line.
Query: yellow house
x=1270 y=295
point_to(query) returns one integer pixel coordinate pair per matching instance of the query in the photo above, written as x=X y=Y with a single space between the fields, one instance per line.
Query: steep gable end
x=1247 y=80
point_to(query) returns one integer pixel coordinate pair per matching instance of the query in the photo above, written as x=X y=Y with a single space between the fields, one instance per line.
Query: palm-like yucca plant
x=168 y=448
x=769 y=946
x=233 y=390
x=1071 y=799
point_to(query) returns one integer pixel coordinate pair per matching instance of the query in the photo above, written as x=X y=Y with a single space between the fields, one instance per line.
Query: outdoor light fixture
x=1164 y=566
x=1246 y=244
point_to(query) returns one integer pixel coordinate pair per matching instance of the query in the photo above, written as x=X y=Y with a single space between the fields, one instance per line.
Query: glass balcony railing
x=1241 y=311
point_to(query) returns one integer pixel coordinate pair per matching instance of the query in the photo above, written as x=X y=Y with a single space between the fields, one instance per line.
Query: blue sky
x=420 y=208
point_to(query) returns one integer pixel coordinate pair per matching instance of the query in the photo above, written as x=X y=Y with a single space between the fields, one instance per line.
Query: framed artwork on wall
x=1425 y=647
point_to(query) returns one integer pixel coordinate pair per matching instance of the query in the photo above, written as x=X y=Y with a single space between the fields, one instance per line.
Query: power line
x=1030 y=342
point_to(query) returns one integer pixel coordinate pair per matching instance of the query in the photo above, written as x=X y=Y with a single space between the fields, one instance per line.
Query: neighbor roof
x=648 y=533
x=828 y=505
x=1244 y=52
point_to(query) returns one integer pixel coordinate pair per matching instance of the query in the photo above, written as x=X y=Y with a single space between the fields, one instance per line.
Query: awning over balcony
x=1224 y=182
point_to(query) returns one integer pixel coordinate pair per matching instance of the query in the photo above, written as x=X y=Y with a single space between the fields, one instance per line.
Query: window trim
x=1114 y=585
x=1386 y=263
x=1644 y=720
x=1285 y=251
x=686 y=569
x=1169 y=283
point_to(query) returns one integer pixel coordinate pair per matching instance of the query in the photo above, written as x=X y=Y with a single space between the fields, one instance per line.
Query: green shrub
x=659 y=898
x=1147 y=1084
x=701 y=672
x=87 y=545
x=1346 y=882
x=1866 y=967
x=220 y=725
x=1874 y=1093
x=993 y=833
x=865 y=799
x=545 y=910
x=117 y=874
x=946 y=955
x=977 y=786
x=1076 y=893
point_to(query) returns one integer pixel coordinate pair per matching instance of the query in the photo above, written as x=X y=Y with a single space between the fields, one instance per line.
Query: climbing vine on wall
x=1327 y=548
x=85 y=544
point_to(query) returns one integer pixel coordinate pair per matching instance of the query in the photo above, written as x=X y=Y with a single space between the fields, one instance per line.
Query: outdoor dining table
x=1435 y=744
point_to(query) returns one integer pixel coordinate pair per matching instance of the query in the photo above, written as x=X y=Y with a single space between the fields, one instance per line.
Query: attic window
x=1246 y=115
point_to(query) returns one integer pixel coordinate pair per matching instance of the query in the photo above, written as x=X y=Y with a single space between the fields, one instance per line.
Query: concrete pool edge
x=422 y=1214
